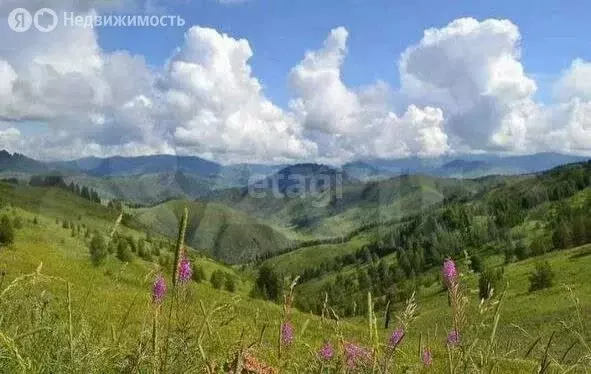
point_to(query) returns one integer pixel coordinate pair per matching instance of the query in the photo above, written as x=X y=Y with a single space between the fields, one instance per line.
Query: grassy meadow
x=60 y=312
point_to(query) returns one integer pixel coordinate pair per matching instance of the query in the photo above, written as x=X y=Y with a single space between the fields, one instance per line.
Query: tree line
x=58 y=181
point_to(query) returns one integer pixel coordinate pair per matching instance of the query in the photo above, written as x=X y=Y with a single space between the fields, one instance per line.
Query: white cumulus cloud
x=217 y=107
x=463 y=89
x=349 y=123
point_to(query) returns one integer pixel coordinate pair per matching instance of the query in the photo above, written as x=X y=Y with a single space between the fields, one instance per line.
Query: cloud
x=9 y=137
x=463 y=89
x=216 y=106
x=471 y=70
x=349 y=123
x=574 y=82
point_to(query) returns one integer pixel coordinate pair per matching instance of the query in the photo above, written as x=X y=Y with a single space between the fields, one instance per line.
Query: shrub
x=98 y=249
x=230 y=285
x=490 y=279
x=198 y=273
x=217 y=279
x=6 y=232
x=17 y=223
x=476 y=263
x=521 y=251
x=143 y=251
x=267 y=284
x=165 y=260
x=156 y=250
x=542 y=276
x=123 y=252
x=539 y=246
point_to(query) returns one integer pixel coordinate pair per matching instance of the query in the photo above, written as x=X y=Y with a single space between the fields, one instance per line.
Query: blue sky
x=277 y=81
x=553 y=33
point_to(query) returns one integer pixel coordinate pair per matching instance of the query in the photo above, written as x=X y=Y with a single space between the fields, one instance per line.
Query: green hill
x=337 y=211
x=82 y=318
x=224 y=233
x=146 y=189
x=515 y=221
x=71 y=316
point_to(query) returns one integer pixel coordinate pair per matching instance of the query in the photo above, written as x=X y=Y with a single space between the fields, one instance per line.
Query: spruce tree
x=198 y=273
x=98 y=249
x=6 y=232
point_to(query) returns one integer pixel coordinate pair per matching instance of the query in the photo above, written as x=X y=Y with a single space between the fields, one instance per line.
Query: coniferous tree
x=17 y=223
x=230 y=285
x=98 y=249
x=542 y=277
x=476 y=263
x=267 y=284
x=123 y=252
x=6 y=231
x=562 y=236
x=217 y=279
x=85 y=193
x=198 y=273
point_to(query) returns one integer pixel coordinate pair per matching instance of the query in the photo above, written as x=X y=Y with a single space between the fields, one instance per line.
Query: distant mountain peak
x=19 y=163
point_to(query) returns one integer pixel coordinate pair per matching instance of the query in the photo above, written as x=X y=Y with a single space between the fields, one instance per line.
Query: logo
x=20 y=20
x=45 y=20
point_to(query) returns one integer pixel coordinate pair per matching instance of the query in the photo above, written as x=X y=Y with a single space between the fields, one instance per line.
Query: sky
x=283 y=81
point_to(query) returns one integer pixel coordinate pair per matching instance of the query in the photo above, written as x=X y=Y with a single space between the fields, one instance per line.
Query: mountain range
x=148 y=180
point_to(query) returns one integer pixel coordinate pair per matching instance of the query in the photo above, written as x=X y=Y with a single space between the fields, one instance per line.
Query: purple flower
x=286 y=333
x=185 y=271
x=427 y=358
x=326 y=352
x=449 y=271
x=396 y=337
x=355 y=355
x=453 y=338
x=158 y=290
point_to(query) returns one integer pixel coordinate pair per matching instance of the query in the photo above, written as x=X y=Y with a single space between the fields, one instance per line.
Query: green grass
x=112 y=303
x=111 y=310
x=525 y=315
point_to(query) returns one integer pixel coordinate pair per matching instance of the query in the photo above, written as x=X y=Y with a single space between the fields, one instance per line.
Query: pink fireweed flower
x=453 y=338
x=356 y=355
x=326 y=353
x=158 y=290
x=449 y=272
x=286 y=333
x=427 y=358
x=185 y=271
x=396 y=337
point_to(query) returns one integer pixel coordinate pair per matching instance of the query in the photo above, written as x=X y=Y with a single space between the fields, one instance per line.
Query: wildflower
x=286 y=333
x=449 y=271
x=185 y=271
x=427 y=358
x=355 y=355
x=453 y=338
x=158 y=290
x=396 y=337
x=326 y=352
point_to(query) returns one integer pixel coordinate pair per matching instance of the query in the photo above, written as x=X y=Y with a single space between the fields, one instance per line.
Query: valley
x=384 y=238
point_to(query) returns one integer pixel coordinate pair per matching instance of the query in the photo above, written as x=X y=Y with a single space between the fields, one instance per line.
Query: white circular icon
x=45 y=20
x=20 y=20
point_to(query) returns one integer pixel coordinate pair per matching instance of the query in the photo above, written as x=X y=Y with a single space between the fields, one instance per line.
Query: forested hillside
x=512 y=222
